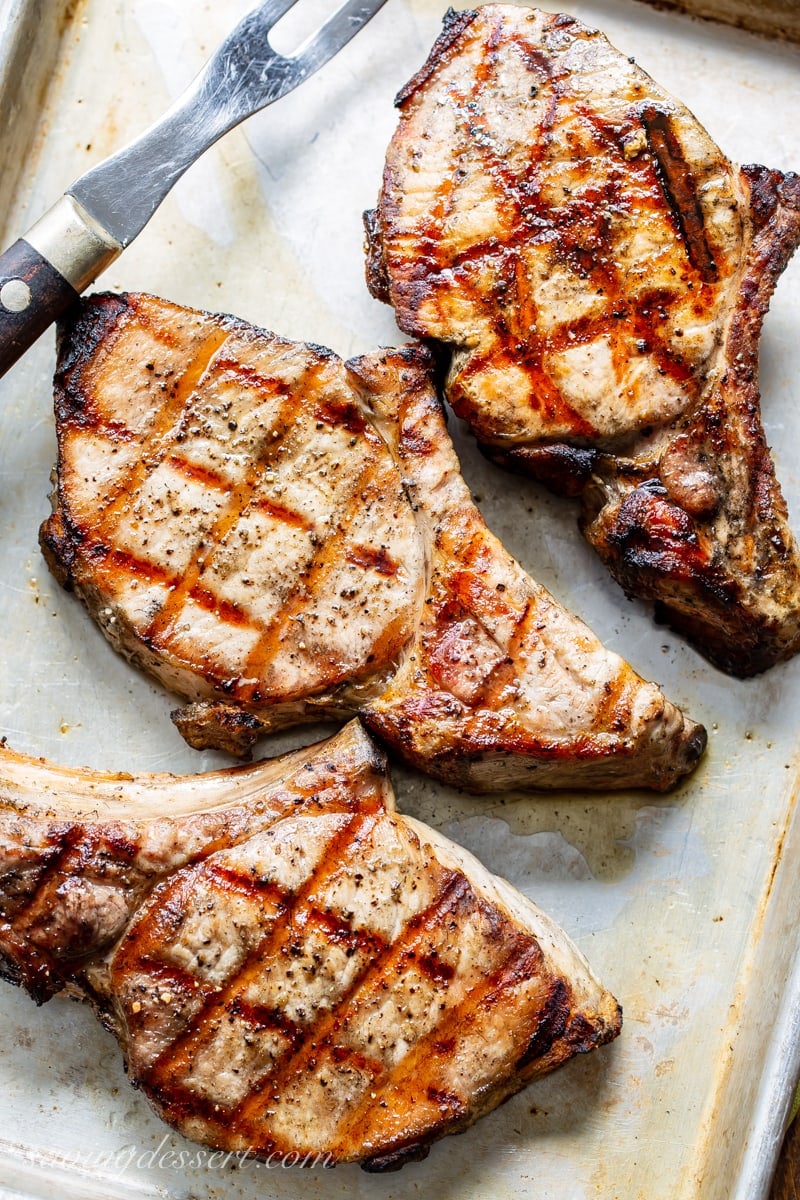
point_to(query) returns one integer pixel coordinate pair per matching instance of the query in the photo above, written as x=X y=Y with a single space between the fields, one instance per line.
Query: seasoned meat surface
x=234 y=518
x=290 y=966
x=279 y=536
x=600 y=272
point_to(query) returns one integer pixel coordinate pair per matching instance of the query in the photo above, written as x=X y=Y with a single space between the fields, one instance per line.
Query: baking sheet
x=684 y=904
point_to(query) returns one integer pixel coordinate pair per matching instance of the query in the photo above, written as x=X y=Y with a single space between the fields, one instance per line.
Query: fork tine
x=334 y=34
x=271 y=11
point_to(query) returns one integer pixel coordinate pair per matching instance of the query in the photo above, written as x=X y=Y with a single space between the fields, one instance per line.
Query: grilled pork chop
x=290 y=966
x=280 y=537
x=600 y=272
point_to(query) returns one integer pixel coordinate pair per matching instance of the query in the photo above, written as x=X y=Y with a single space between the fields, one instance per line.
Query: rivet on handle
x=15 y=295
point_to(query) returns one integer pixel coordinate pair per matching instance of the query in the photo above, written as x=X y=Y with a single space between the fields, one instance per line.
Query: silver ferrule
x=74 y=242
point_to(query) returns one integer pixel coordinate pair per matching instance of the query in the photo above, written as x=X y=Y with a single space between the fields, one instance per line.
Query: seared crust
x=290 y=966
x=702 y=529
x=501 y=687
x=192 y=450
x=345 y=570
x=600 y=272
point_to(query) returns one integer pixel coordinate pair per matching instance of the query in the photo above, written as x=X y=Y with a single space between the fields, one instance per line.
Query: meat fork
x=43 y=273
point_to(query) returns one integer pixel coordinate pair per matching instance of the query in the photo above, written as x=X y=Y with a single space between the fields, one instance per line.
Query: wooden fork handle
x=43 y=273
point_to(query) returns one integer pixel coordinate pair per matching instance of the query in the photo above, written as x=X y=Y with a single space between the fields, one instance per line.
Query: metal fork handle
x=42 y=274
x=243 y=76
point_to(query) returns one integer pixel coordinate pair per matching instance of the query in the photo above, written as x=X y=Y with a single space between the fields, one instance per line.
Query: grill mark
x=530 y=216
x=46 y=973
x=29 y=966
x=523 y=958
x=372 y=560
x=174 y=1058
x=339 y=412
x=249 y=376
x=531 y=348
x=478 y=599
x=603 y=270
x=155 y=444
x=184 y=1108
x=164 y=974
x=506 y=673
x=161 y=628
x=288 y=516
x=362 y=1061
x=108 y=563
x=171 y=896
x=71 y=840
x=481 y=736
x=226 y=610
x=680 y=190
x=506 y=321
x=467 y=596
x=160 y=922
x=229 y=879
x=308 y=581
x=612 y=714
x=435 y=968
x=99 y=859
x=104 y=427
x=198 y=473
x=341 y=932
x=551 y=1026
x=454 y=887
x=618 y=323
x=261 y=1017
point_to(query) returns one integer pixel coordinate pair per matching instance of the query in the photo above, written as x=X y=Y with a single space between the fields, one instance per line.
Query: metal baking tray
x=684 y=904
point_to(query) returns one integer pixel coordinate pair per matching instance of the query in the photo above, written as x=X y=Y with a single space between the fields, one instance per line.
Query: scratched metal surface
x=683 y=904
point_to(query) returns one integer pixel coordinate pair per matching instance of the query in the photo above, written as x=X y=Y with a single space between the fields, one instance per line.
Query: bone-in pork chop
x=278 y=537
x=290 y=966
x=600 y=273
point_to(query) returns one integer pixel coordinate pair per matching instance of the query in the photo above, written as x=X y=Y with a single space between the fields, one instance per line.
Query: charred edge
x=769 y=189
x=583 y=1036
x=210 y=726
x=395 y=1159
x=58 y=548
x=789 y=190
x=376 y=269
x=453 y=25
x=664 y=544
x=416 y=356
x=695 y=746
x=25 y=966
x=10 y=970
x=775 y=209
x=678 y=184
x=551 y=1026
x=742 y=652
x=564 y=469
x=763 y=186
x=79 y=334
x=416 y=364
